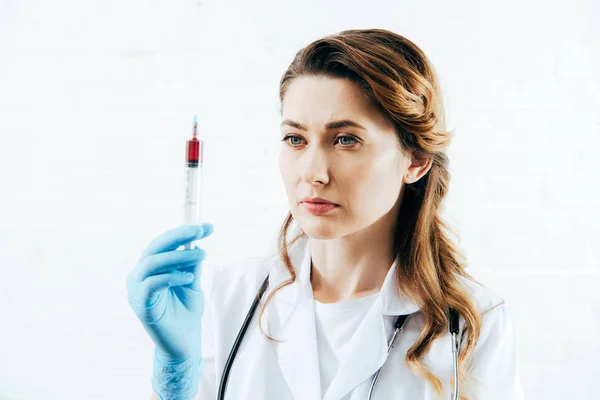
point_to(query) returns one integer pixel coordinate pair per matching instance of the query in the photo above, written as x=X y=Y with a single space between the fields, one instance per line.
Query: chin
x=320 y=236
x=322 y=230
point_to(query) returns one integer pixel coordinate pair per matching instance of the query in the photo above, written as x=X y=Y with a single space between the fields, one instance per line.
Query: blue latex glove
x=170 y=306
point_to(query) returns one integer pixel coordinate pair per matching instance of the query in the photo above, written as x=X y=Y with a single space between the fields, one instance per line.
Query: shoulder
x=483 y=297
x=243 y=271
x=236 y=280
x=494 y=364
x=498 y=328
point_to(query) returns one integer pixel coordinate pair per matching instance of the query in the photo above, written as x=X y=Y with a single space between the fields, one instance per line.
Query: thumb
x=196 y=269
x=207 y=229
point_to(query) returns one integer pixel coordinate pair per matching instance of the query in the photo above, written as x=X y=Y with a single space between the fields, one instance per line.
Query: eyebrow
x=331 y=125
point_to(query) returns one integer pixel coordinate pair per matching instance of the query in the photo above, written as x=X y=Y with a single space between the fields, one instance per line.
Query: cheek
x=285 y=173
x=357 y=186
x=373 y=186
x=282 y=169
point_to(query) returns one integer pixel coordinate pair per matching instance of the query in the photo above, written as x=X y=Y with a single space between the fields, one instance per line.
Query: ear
x=417 y=168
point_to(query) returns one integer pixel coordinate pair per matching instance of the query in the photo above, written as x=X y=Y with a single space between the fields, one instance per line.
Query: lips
x=317 y=200
x=319 y=208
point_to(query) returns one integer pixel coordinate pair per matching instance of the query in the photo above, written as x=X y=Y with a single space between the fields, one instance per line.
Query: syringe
x=193 y=181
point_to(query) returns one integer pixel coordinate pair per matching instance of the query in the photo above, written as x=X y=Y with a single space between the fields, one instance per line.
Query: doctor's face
x=359 y=167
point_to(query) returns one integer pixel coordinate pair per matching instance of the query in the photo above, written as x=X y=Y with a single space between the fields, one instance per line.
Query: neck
x=349 y=267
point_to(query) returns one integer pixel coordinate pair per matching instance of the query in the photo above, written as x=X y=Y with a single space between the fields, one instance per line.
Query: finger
x=195 y=269
x=176 y=237
x=166 y=262
x=156 y=283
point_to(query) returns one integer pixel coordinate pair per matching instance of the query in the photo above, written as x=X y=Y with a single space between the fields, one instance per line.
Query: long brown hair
x=398 y=78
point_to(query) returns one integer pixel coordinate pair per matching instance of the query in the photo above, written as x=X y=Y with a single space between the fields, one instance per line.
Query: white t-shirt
x=336 y=323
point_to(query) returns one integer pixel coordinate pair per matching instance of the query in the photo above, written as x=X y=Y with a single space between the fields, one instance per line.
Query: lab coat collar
x=291 y=318
x=393 y=302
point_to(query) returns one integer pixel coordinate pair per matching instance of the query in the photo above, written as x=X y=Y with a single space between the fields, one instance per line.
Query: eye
x=353 y=139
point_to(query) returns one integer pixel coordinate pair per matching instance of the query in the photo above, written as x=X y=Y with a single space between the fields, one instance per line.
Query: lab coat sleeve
x=207 y=389
x=494 y=368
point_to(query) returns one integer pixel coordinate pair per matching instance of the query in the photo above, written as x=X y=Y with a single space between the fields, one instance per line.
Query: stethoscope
x=398 y=328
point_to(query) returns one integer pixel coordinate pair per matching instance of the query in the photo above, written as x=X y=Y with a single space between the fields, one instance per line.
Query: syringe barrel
x=193 y=191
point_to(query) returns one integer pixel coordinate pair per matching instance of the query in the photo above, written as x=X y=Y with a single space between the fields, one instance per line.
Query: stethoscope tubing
x=238 y=339
x=398 y=328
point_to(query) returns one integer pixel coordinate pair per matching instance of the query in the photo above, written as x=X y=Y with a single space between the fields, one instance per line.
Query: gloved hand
x=169 y=305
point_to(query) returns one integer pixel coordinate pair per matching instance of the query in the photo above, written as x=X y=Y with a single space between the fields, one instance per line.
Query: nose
x=315 y=168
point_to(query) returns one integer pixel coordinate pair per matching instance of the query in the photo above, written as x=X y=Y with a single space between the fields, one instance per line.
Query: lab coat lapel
x=291 y=319
x=367 y=350
x=366 y=353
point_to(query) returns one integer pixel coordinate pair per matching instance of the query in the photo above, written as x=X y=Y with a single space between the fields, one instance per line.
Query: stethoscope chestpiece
x=453 y=321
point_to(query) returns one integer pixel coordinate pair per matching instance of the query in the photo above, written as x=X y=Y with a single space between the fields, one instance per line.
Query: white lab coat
x=264 y=370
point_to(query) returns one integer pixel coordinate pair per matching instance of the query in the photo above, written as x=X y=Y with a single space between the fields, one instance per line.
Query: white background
x=97 y=100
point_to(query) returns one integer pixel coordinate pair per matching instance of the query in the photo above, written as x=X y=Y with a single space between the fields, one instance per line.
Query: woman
x=363 y=130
